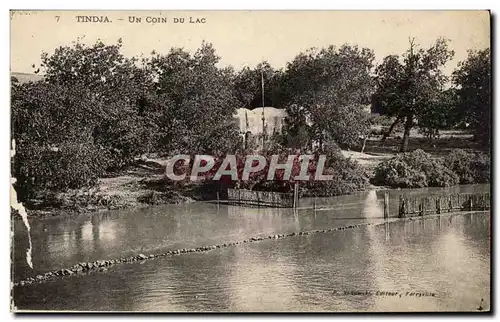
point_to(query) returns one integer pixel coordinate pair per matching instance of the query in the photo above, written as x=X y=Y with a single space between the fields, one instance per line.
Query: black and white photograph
x=250 y=161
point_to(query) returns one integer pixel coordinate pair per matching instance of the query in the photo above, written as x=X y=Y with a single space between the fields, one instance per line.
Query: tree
x=472 y=80
x=113 y=87
x=82 y=118
x=439 y=114
x=248 y=86
x=54 y=145
x=408 y=87
x=333 y=86
x=195 y=101
x=296 y=129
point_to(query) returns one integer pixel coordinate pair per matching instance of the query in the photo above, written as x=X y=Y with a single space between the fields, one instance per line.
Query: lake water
x=445 y=258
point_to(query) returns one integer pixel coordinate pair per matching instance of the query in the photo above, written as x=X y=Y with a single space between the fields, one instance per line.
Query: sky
x=245 y=38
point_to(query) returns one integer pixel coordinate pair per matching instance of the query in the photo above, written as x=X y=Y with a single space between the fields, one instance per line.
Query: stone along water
x=447 y=256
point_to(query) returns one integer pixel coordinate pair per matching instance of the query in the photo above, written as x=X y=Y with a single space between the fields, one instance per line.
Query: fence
x=261 y=198
x=439 y=204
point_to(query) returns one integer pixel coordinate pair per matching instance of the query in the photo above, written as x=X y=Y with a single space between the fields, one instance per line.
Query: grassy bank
x=143 y=183
x=134 y=187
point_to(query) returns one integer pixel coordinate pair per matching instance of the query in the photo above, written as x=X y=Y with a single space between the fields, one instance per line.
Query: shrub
x=348 y=177
x=482 y=166
x=67 y=166
x=398 y=174
x=414 y=170
x=383 y=120
x=441 y=176
x=470 y=167
x=160 y=198
x=376 y=131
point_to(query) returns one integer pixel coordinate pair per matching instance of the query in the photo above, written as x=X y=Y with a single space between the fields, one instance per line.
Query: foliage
x=111 y=87
x=96 y=110
x=297 y=133
x=470 y=167
x=383 y=120
x=162 y=197
x=113 y=109
x=415 y=169
x=79 y=200
x=71 y=165
x=348 y=175
x=438 y=115
x=54 y=147
x=472 y=80
x=248 y=86
x=194 y=100
x=411 y=89
x=332 y=86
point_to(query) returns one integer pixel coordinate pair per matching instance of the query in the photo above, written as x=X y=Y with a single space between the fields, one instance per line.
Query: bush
x=482 y=166
x=67 y=166
x=79 y=199
x=377 y=131
x=414 y=170
x=398 y=174
x=383 y=120
x=348 y=177
x=470 y=167
x=161 y=198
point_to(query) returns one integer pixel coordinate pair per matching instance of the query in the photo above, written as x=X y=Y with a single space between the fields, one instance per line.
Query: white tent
x=251 y=120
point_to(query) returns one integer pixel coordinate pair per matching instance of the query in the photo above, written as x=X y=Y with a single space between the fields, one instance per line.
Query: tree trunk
x=388 y=133
x=406 y=135
x=364 y=145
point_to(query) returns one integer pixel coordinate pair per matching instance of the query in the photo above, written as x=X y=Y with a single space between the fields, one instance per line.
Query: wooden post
x=402 y=207
x=218 y=200
x=295 y=194
x=438 y=205
x=470 y=203
x=298 y=196
x=314 y=205
x=386 y=205
x=386 y=228
x=399 y=206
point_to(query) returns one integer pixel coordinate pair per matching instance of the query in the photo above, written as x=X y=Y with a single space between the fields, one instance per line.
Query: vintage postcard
x=250 y=161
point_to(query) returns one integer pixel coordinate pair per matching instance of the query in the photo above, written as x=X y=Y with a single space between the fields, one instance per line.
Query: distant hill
x=25 y=77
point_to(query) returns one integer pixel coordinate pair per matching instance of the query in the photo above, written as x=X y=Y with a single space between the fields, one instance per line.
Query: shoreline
x=127 y=205
x=140 y=185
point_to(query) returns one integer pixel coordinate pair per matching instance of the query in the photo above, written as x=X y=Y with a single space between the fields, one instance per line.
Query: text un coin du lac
x=148 y=19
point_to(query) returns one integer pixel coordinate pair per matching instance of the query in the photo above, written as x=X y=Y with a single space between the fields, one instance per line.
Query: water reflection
x=447 y=255
x=64 y=241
